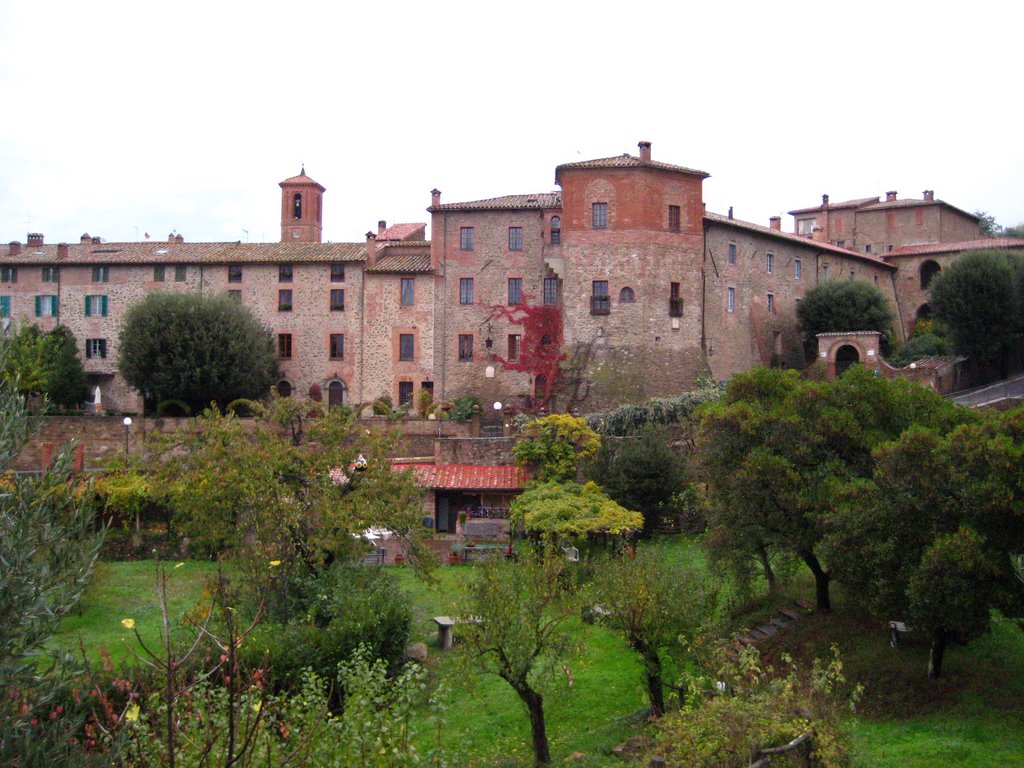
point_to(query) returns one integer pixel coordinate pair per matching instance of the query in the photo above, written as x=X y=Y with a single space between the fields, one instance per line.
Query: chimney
x=730 y=213
x=170 y=238
x=824 y=201
x=35 y=239
x=929 y=195
x=85 y=239
x=381 y=226
x=371 y=250
x=15 y=248
x=775 y=222
x=96 y=240
x=645 y=151
x=179 y=238
x=435 y=198
x=62 y=250
x=890 y=197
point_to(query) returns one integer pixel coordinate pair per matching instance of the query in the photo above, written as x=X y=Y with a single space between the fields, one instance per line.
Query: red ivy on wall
x=540 y=349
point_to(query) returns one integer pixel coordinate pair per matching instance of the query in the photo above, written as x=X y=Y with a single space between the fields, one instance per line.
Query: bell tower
x=301 y=209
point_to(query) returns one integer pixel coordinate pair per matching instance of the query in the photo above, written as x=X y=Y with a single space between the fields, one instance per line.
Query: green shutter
x=88 y=312
x=39 y=306
x=103 y=303
x=56 y=305
x=5 y=306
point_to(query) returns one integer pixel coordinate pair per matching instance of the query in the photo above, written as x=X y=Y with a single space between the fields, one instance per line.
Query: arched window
x=928 y=272
x=556 y=230
x=284 y=389
x=626 y=295
x=545 y=340
x=297 y=205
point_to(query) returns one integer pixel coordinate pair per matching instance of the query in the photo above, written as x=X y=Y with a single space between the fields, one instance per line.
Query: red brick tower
x=301 y=209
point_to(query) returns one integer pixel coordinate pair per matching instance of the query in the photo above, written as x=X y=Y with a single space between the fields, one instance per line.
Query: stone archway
x=846 y=356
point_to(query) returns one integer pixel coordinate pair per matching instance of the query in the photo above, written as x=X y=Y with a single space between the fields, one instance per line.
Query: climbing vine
x=540 y=353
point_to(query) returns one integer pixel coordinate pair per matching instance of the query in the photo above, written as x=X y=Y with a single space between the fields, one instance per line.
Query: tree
x=656 y=606
x=554 y=446
x=979 y=299
x=197 y=349
x=987 y=225
x=644 y=474
x=555 y=510
x=774 y=448
x=66 y=382
x=48 y=547
x=517 y=630
x=843 y=305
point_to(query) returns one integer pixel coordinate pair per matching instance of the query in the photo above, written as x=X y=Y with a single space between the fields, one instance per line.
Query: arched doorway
x=284 y=388
x=924 y=312
x=335 y=394
x=846 y=356
x=928 y=272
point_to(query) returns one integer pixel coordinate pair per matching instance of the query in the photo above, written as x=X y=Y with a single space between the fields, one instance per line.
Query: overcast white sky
x=121 y=118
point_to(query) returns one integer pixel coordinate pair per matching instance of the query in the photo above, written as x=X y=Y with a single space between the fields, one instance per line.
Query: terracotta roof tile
x=857 y=203
x=789 y=237
x=539 y=201
x=403 y=232
x=954 y=247
x=304 y=180
x=402 y=262
x=190 y=253
x=502 y=477
x=627 y=161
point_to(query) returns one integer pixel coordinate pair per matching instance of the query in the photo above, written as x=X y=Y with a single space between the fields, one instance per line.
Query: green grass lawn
x=972 y=717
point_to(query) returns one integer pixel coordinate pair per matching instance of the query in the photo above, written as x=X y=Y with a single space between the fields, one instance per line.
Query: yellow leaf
x=128 y=623
x=274 y=563
x=178 y=565
x=132 y=713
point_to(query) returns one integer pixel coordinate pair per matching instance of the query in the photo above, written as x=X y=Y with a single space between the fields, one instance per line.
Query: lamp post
x=127 y=426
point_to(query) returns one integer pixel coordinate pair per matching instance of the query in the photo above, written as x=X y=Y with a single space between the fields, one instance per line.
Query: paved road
x=991 y=393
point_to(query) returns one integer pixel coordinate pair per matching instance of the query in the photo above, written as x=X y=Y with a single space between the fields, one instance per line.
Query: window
x=284 y=273
x=771 y=262
x=466 y=239
x=46 y=306
x=556 y=230
x=284 y=346
x=771 y=303
x=465 y=347
x=158 y=273
x=514 y=343
x=928 y=272
x=284 y=300
x=626 y=296
x=867 y=248
x=673 y=218
x=95 y=348
x=851 y=274
x=841 y=243
x=550 y=290
x=408 y=291
x=730 y=301
x=675 y=301
x=337 y=346
x=100 y=274
x=515 y=238
x=600 y=304
x=797 y=269
x=545 y=340
x=180 y=272
x=599 y=215
x=95 y=306
x=236 y=295
x=515 y=290
x=337 y=273
x=234 y=273
x=8 y=274
x=297 y=205
x=51 y=274
x=406 y=346
x=284 y=389
x=405 y=393
x=466 y=290
x=824 y=272
x=5 y=306
x=337 y=299
x=732 y=253
x=805 y=226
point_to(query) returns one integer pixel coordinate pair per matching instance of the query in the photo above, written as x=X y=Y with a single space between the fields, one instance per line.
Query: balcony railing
x=600 y=305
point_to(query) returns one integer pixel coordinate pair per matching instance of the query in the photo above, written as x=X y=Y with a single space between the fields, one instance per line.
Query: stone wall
x=482 y=451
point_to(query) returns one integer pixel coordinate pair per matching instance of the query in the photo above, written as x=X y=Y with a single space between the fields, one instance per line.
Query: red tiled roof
x=503 y=477
x=189 y=253
x=402 y=232
x=626 y=160
x=953 y=247
x=860 y=201
x=304 y=180
x=789 y=237
x=539 y=201
x=403 y=262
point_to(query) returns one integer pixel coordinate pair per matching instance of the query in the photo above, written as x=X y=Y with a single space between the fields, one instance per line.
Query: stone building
x=617 y=287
